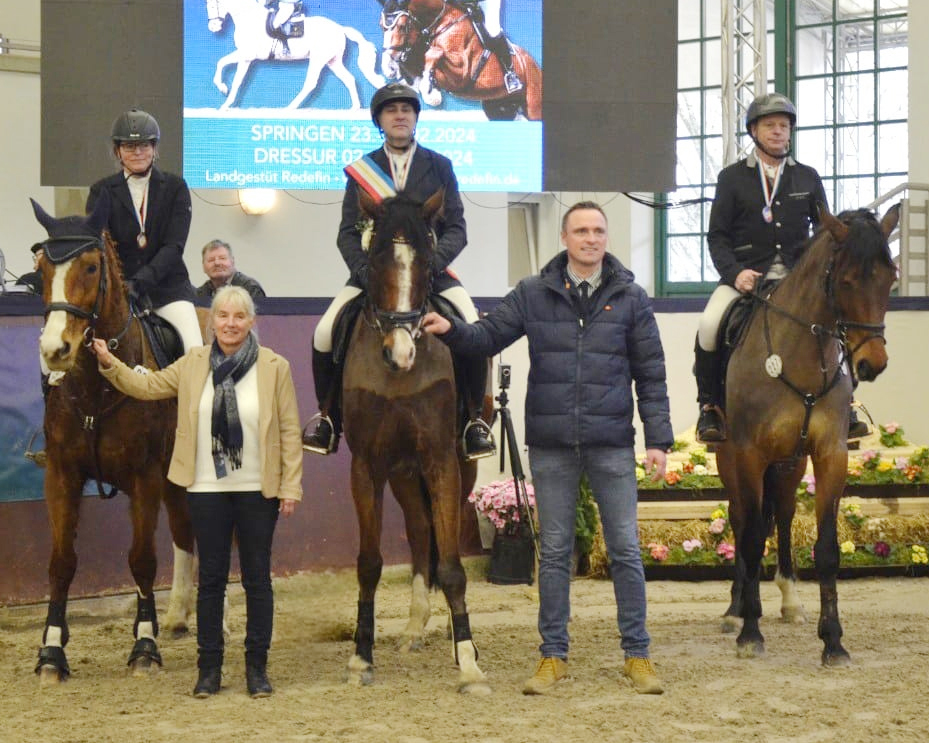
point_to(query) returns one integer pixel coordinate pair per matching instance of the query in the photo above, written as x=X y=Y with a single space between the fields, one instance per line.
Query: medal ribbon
x=769 y=193
x=400 y=176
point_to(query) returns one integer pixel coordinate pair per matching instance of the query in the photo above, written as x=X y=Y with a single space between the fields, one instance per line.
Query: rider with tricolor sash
x=401 y=165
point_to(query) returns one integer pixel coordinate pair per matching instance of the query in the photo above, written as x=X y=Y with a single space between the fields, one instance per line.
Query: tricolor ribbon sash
x=371 y=178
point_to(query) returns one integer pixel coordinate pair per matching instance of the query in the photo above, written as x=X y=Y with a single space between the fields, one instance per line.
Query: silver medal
x=766 y=213
x=142 y=240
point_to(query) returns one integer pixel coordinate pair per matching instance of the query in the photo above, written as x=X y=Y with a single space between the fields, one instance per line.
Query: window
x=850 y=86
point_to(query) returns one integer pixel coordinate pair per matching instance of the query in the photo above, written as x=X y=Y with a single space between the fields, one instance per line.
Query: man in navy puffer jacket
x=592 y=335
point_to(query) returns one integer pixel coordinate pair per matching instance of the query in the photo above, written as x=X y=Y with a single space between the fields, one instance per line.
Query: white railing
x=913 y=254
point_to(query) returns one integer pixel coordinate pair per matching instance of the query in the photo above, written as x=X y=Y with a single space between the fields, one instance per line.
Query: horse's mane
x=864 y=245
x=401 y=215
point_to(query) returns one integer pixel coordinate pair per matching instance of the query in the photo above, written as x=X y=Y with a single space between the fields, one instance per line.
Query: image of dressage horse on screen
x=312 y=54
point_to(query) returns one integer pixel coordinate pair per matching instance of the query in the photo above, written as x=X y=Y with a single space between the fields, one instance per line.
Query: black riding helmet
x=767 y=104
x=135 y=126
x=390 y=93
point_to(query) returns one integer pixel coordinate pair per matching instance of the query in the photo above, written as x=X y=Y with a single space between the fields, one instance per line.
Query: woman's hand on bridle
x=99 y=349
x=435 y=324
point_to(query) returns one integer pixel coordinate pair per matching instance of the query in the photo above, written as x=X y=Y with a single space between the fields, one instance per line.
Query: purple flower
x=882 y=549
x=810 y=481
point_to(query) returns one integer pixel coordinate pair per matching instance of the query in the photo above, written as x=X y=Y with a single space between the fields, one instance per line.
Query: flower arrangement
x=712 y=543
x=497 y=501
x=892 y=435
x=694 y=474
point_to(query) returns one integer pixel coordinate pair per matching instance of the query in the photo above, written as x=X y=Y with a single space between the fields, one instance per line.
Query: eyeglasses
x=136 y=146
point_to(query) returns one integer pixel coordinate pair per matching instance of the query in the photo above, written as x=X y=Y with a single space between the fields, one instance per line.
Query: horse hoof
x=750 y=650
x=143 y=667
x=793 y=614
x=412 y=645
x=731 y=624
x=49 y=676
x=179 y=631
x=836 y=660
x=359 y=672
x=477 y=688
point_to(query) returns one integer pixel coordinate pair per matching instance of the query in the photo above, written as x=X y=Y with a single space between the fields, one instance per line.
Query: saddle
x=162 y=337
x=732 y=327
x=292 y=28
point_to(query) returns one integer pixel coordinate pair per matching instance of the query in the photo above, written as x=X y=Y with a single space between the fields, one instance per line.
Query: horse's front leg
x=783 y=482
x=62 y=499
x=408 y=492
x=744 y=485
x=830 y=483
x=430 y=92
x=241 y=68
x=732 y=618
x=369 y=499
x=183 y=596
x=443 y=479
x=221 y=65
x=144 y=658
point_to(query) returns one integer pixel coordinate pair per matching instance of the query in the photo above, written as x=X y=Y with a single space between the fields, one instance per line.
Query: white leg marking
x=791 y=606
x=181 y=603
x=471 y=679
x=146 y=629
x=419 y=615
x=360 y=672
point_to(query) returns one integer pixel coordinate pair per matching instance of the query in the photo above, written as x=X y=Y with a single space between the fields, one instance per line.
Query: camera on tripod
x=503 y=376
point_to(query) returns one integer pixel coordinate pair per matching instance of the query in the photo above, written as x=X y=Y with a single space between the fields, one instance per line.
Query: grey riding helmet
x=770 y=103
x=135 y=126
x=390 y=93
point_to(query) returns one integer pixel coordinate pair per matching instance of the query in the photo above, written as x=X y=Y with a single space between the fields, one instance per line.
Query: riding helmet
x=135 y=126
x=393 y=92
x=767 y=104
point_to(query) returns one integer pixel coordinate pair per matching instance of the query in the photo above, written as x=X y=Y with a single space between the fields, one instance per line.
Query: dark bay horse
x=788 y=390
x=433 y=45
x=401 y=426
x=95 y=432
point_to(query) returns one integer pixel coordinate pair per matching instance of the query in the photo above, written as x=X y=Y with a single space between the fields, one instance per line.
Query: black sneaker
x=323 y=439
x=710 y=425
x=208 y=682
x=478 y=440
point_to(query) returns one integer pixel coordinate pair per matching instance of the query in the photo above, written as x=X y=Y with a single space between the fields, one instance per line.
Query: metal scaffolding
x=744 y=66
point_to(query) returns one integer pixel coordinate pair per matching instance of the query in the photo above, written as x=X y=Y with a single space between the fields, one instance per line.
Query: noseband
x=842 y=326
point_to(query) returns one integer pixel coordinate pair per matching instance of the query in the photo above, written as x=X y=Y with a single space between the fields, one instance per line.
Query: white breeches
x=183 y=316
x=491 y=10
x=722 y=296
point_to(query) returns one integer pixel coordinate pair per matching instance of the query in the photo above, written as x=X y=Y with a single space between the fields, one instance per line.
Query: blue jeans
x=610 y=471
x=252 y=517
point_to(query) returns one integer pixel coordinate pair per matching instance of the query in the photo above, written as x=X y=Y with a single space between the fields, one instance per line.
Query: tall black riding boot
x=477 y=437
x=710 y=425
x=324 y=439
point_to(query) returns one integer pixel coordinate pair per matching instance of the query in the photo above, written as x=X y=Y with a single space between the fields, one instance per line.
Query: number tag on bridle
x=773 y=365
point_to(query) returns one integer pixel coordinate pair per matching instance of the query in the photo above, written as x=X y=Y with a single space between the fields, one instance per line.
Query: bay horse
x=433 y=45
x=400 y=423
x=322 y=44
x=788 y=389
x=94 y=432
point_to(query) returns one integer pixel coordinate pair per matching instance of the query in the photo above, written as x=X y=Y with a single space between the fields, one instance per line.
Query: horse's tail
x=367 y=56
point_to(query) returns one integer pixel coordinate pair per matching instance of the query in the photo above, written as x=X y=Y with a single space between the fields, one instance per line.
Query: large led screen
x=276 y=94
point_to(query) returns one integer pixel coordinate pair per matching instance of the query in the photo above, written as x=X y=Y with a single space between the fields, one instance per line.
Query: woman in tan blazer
x=237 y=450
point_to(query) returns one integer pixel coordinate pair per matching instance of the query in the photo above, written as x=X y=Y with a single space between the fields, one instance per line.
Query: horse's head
x=74 y=281
x=400 y=260
x=401 y=33
x=858 y=284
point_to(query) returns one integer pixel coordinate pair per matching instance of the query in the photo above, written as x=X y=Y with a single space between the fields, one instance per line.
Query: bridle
x=411 y=321
x=83 y=243
x=822 y=333
x=389 y=19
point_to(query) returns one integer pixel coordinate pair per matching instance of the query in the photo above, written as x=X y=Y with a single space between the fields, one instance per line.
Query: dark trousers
x=215 y=517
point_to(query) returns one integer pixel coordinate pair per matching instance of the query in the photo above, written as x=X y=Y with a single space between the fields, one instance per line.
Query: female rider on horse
x=403 y=166
x=149 y=221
